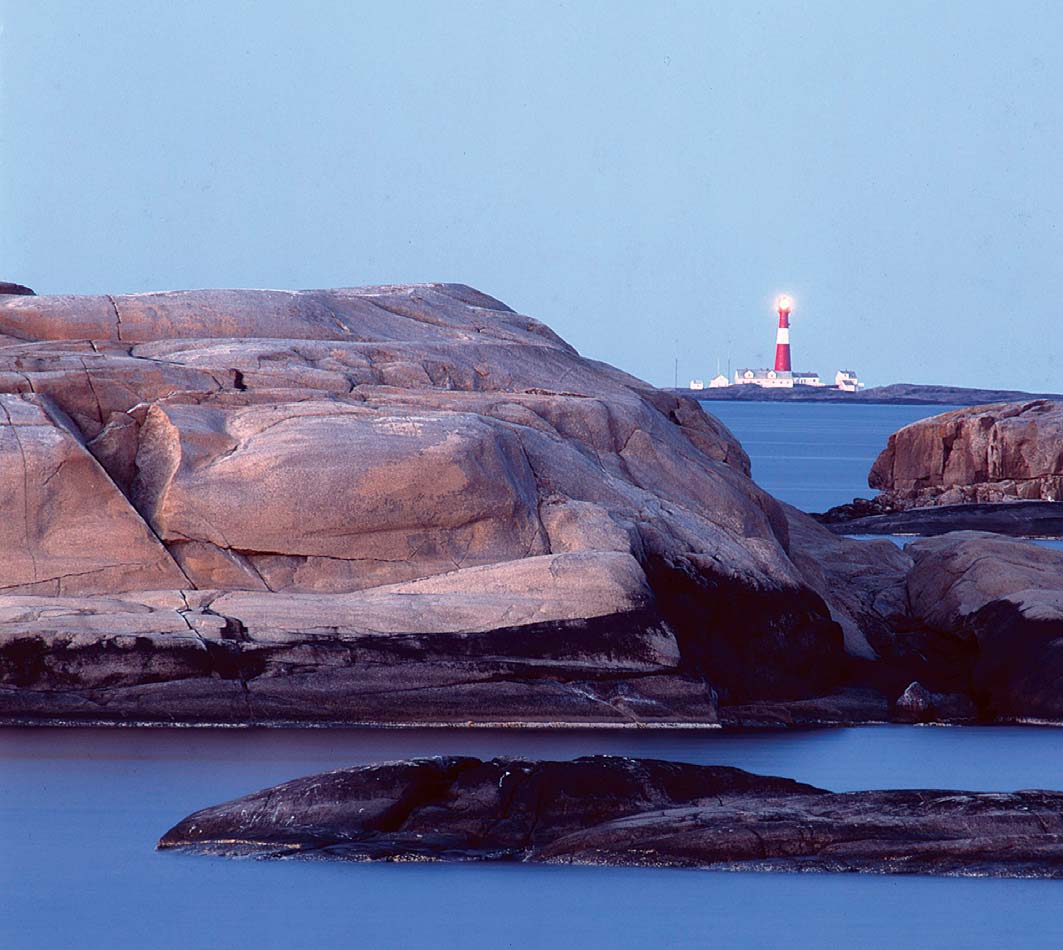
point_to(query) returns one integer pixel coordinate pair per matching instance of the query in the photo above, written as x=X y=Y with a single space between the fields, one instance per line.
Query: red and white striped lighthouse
x=782 y=339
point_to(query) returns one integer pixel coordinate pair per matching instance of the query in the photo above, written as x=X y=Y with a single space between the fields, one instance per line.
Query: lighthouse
x=784 y=304
x=783 y=376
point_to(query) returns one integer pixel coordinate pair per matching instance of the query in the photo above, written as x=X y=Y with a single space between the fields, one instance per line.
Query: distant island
x=894 y=394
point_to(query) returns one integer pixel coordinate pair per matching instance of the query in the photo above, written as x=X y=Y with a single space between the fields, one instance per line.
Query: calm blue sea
x=815 y=456
x=80 y=810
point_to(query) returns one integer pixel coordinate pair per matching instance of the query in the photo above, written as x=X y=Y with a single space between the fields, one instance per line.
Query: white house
x=697 y=384
x=776 y=378
x=846 y=380
x=769 y=378
x=719 y=381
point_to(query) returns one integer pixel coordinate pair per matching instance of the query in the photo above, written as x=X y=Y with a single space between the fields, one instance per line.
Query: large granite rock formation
x=645 y=812
x=386 y=504
x=985 y=454
x=990 y=468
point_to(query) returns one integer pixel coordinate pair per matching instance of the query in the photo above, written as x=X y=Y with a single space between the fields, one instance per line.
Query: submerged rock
x=645 y=812
x=388 y=504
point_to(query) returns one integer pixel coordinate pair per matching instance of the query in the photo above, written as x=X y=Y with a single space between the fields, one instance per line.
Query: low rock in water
x=606 y=810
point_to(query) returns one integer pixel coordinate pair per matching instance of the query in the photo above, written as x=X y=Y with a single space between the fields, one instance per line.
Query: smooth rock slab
x=565 y=639
x=620 y=811
x=1017 y=519
x=64 y=527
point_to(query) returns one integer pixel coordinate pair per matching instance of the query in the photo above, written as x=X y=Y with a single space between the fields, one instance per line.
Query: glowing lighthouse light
x=784 y=304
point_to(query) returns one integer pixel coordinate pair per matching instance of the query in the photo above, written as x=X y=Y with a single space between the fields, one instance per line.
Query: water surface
x=81 y=809
x=815 y=455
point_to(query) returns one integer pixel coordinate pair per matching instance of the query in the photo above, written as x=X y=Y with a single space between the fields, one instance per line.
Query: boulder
x=642 y=812
x=1004 y=598
x=956 y=574
x=959 y=626
x=866 y=585
x=918 y=704
x=266 y=455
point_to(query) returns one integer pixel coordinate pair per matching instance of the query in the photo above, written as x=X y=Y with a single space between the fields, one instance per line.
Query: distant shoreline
x=895 y=394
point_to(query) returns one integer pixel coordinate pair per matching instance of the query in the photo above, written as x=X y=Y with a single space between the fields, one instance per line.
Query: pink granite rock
x=1007 y=451
x=66 y=528
x=297 y=449
x=1004 y=597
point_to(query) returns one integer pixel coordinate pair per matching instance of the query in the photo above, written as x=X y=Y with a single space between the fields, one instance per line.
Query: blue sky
x=644 y=177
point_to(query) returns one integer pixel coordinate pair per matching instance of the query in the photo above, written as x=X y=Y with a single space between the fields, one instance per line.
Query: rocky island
x=636 y=812
x=893 y=394
x=410 y=505
x=996 y=468
x=379 y=505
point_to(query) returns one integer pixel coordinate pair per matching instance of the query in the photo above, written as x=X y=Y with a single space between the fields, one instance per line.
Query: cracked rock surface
x=646 y=812
x=397 y=504
x=410 y=505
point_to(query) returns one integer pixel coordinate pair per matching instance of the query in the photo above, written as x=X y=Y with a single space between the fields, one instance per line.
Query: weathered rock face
x=984 y=454
x=605 y=810
x=863 y=582
x=957 y=574
x=566 y=638
x=66 y=529
x=960 y=626
x=247 y=505
x=320 y=496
